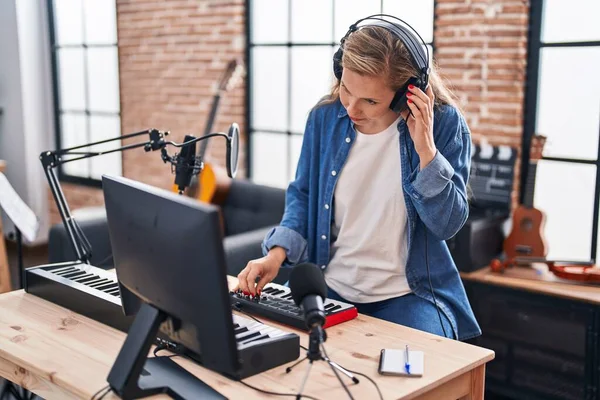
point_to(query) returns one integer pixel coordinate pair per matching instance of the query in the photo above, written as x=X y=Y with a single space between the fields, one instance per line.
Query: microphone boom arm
x=52 y=159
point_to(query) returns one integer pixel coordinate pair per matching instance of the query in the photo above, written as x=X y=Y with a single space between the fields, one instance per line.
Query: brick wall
x=171 y=54
x=481 y=48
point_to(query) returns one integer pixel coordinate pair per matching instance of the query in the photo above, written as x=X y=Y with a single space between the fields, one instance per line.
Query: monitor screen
x=168 y=252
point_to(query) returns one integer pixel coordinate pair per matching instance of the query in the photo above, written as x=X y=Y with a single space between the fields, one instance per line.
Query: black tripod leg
x=289 y=369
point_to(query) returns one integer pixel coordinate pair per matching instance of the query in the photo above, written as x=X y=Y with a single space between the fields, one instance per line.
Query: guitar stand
x=316 y=351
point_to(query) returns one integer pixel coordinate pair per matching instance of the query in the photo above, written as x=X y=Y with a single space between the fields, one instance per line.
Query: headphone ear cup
x=398 y=103
x=337 y=63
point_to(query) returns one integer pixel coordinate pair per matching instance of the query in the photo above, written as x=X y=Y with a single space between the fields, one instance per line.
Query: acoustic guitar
x=527 y=234
x=211 y=185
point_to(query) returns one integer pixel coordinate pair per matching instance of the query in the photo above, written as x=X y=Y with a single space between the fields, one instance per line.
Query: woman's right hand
x=266 y=268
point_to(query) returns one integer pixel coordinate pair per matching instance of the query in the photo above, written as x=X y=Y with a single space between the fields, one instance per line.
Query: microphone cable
x=359 y=374
x=437 y=307
x=298 y=396
x=337 y=374
x=106 y=389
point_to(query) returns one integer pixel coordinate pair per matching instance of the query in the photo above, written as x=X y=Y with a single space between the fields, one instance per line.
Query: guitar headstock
x=231 y=77
x=537 y=147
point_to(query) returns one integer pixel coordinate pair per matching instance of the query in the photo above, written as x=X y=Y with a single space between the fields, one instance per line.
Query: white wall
x=26 y=124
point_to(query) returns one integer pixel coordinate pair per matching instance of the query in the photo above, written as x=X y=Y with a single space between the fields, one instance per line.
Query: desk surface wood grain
x=528 y=279
x=60 y=354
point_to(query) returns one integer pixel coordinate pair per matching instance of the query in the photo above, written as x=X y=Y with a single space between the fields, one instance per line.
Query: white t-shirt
x=369 y=248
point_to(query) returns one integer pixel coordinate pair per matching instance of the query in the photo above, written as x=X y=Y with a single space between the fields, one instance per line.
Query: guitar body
x=212 y=183
x=211 y=186
x=527 y=235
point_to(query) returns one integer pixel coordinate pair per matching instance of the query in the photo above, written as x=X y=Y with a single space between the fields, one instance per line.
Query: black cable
x=107 y=388
x=177 y=350
x=104 y=260
x=105 y=393
x=159 y=348
x=252 y=387
x=357 y=373
x=365 y=376
x=337 y=374
x=278 y=394
x=437 y=307
x=237 y=308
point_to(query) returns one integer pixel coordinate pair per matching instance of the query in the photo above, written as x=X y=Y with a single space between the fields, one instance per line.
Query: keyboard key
x=246 y=337
x=237 y=331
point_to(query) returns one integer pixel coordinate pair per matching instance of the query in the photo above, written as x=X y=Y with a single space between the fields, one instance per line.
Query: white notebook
x=393 y=362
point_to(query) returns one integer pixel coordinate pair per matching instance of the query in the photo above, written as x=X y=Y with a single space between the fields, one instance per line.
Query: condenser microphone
x=309 y=290
x=185 y=164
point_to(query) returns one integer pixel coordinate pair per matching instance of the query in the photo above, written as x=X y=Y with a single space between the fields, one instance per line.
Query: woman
x=377 y=192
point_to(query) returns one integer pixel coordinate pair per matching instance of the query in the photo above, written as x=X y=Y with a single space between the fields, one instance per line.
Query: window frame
x=58 y=111
x=289 y=45
x=534 y=49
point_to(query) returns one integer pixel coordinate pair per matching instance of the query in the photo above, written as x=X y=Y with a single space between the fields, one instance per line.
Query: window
x=563 y=99
x=290 y=48
x=86 y=84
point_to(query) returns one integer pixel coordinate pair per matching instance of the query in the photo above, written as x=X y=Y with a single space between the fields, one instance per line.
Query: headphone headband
x=419 y=54
x=408 y=35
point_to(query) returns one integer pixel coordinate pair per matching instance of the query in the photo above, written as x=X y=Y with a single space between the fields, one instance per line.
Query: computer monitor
x=170 y=263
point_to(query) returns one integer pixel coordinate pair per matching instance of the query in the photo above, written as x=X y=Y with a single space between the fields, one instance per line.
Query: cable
x=337 y=374
x=107 y=388
x=365 y=376
x=278 y=394
x=242 y=382
x=237 y=308
x=358 y=373
x=110 y=256
x=104 y=394
x=437 y=307
x=176 y=349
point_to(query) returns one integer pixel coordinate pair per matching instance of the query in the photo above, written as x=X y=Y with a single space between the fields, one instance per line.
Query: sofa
x=249 y=212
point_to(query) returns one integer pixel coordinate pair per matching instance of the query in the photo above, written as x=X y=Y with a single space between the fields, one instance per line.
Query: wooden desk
x=58 y=354
x=545 y=333
x=527 y=279
x=5 y=282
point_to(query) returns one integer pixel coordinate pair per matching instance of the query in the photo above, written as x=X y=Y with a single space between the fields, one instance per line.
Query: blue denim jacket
x=435 y=197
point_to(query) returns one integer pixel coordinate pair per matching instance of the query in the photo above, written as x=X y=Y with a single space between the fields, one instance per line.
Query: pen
x=406 y=361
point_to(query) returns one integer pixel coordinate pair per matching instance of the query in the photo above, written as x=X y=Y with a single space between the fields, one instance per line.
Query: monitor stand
x=134 y=375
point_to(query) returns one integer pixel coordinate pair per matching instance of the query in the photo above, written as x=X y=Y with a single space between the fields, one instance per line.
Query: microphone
x=185 y=164
x=309 y=290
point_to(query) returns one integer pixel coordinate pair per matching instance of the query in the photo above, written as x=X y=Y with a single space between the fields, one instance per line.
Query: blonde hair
x=375 y=51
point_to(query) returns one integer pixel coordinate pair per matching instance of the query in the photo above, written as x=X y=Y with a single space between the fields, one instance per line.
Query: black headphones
x=416 y=48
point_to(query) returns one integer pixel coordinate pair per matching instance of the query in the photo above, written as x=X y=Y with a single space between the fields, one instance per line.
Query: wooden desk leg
x=477 y=384
x=5 y=283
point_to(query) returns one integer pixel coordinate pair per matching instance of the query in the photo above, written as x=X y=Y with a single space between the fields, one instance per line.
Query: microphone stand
x=316 y=351
x=52 y=159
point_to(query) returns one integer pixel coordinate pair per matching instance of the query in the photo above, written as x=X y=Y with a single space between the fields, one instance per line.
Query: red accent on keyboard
x=342 y=316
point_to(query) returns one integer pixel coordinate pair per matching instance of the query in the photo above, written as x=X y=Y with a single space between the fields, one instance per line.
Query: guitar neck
x=530 y=186
x=209 y=124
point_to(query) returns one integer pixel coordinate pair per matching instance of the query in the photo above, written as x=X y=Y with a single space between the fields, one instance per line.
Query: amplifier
x=491 y=179
x=479 y=241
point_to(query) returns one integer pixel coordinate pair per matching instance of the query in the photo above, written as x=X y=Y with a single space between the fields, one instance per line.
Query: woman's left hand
x=420 y=123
